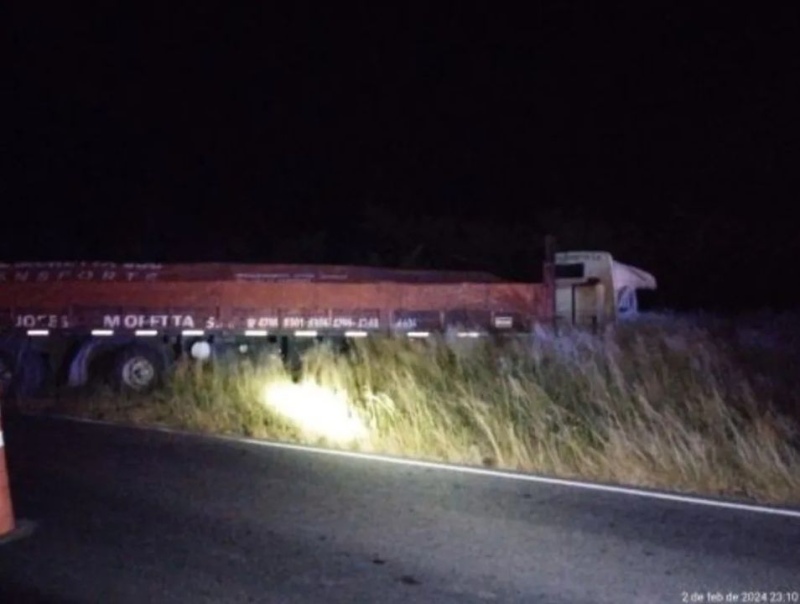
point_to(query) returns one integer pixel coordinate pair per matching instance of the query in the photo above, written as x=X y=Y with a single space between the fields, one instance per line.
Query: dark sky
x=666 y=135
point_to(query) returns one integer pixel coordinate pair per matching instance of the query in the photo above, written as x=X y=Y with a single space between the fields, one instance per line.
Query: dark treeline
x=704 y=258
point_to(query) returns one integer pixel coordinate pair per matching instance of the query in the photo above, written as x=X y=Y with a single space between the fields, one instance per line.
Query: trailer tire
x=6 y=373
x=137 y=368
x=26 y=380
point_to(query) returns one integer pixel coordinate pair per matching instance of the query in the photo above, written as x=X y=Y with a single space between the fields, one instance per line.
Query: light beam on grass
x=316 y=410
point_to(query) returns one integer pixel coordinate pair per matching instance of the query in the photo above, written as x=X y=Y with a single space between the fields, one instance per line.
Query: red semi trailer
x=70 y=322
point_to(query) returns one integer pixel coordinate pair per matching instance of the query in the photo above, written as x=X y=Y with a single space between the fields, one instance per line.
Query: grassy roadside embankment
x=690 y=404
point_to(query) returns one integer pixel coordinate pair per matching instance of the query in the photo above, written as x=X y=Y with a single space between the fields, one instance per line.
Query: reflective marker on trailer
x=146 y=332
x=192 y=332
x=503 y=322
x=355 y=334
x=310 y=333
x=255 y=333
x=418 y=334
x=38 y=332
x=102 y=332
x=469 y=334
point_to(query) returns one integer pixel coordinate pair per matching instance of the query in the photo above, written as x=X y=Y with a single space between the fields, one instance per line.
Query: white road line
x=634 y=492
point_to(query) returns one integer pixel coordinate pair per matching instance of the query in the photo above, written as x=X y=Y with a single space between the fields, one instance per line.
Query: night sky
x=453 y=137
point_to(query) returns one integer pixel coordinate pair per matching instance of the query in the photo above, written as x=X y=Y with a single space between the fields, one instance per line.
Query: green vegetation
x=693 y=404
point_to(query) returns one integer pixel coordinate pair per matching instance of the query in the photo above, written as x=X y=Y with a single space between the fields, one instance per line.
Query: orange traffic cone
x=10 y=530
x=7 y=525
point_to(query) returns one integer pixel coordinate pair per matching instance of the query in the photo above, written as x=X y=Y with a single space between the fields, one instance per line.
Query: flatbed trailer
x=128 y=322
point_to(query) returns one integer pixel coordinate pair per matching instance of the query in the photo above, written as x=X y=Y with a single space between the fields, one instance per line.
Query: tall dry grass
x=687 y=403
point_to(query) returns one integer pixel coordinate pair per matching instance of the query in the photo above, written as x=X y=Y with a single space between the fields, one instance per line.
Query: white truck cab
x=594 y=289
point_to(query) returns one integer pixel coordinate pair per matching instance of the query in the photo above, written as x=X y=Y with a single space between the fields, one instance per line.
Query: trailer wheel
x=137 y=369
x=6 y=373
x=26 y=380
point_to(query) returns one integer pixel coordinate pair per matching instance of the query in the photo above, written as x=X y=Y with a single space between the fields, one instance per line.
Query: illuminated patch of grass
x=682 y=403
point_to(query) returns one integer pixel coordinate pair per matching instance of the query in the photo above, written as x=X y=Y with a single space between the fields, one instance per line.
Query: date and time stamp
x=741 y=597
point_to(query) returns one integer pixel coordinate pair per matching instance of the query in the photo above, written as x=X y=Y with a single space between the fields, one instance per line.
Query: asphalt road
x=126 y=515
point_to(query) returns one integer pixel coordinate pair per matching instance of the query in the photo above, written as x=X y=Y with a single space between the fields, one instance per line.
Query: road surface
x=126 y=515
